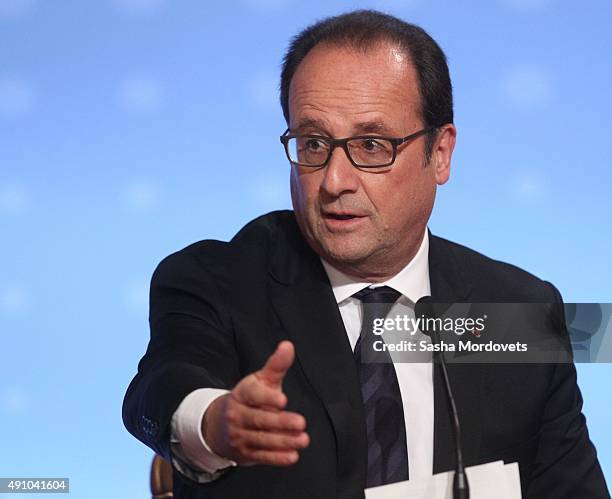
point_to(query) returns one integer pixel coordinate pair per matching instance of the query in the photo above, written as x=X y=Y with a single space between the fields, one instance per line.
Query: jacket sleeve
x=566 y=465
x=191 y=346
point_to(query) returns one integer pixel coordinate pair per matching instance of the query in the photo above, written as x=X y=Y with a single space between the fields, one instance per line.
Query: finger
x=277 y=364
x=259 y=419
x=266 y=440
x=254 y=392
x=275 y=457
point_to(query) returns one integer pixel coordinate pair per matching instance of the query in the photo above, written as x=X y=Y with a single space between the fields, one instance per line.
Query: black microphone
x=425 y=308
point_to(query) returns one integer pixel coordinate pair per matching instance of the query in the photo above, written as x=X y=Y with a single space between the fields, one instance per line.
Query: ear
x=442 y=152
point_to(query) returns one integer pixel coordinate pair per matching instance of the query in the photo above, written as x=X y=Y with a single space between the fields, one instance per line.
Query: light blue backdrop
x=131 y=128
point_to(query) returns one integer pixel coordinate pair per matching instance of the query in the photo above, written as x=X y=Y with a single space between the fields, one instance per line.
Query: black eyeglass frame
x=333 y=143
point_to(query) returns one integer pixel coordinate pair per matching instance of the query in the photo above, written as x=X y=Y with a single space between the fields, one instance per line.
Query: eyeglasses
x=364 y=151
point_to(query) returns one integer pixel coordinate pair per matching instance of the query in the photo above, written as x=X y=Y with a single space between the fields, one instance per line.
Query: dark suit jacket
x=219 y=309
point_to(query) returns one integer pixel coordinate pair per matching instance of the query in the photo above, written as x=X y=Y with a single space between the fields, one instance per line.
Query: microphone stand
x=461 y=488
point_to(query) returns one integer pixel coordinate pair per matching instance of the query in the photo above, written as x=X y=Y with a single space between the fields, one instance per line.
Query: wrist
x=213 y=428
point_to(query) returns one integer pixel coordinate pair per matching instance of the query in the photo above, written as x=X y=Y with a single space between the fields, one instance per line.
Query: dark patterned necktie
x=382 y=400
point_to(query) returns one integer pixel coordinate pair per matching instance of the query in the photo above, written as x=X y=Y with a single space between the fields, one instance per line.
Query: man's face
x=367 y=224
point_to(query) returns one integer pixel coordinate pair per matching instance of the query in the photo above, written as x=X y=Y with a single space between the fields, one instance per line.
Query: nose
x=340 y=175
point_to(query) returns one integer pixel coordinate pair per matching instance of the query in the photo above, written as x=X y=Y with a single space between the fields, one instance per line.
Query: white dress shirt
x=194 y=458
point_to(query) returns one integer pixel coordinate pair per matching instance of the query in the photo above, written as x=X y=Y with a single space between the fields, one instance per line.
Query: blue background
x=131 y=128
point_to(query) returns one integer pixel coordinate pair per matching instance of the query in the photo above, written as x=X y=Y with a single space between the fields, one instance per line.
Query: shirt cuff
x=187 y=431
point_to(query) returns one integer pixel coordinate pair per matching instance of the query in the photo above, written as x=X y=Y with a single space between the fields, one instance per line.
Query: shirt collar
x=412 y=281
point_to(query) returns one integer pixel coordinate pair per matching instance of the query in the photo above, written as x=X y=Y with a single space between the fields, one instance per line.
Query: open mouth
x=341 y=216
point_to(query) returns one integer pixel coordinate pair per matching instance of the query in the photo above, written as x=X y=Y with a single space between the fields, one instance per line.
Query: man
x=251 y=384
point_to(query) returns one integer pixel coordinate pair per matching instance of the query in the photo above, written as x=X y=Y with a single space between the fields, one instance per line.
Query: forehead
x=343 y=86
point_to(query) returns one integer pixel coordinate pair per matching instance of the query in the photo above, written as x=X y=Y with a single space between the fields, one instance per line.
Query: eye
x=314 y=145
x=373 y=145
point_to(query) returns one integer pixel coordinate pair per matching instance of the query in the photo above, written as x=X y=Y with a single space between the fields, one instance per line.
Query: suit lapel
x=303 y=299
x=450 y=283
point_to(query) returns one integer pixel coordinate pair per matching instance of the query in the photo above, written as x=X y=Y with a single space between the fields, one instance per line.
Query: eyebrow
x=311 y=123
x=371 y=127
x=362 y=127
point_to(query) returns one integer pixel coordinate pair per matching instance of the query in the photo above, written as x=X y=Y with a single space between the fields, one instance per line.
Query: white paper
x=495 y=479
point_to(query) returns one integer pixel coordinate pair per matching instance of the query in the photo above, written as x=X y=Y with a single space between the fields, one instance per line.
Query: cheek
x=402 y=201
x=304 y=189
x=296 y=190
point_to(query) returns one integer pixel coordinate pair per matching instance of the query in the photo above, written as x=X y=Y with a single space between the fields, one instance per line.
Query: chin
x=339 y=254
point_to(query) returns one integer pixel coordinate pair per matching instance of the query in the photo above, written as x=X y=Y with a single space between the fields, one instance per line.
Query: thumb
x=277 y=364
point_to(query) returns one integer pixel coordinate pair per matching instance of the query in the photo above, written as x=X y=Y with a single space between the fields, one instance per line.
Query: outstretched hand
x=249 y=425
